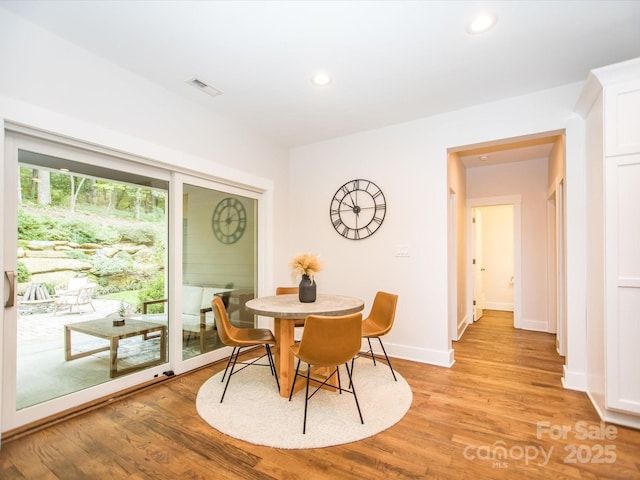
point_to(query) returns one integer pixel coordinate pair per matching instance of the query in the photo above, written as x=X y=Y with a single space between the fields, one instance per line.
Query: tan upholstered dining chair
x=240 y=338
x=379 y=323
x=289 y=291
x=328 y=342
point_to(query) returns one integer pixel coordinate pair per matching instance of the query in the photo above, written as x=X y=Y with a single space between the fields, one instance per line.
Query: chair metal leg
x=233 y=352
x=353 y=390
x=388 y=361
x=373 y=357
x=340 y=389
x=272 y=365
x=295 y=377
x=235 y=359
x=306 y=401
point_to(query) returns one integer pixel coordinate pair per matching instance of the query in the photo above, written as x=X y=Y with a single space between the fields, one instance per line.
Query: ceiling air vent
x=204 y=87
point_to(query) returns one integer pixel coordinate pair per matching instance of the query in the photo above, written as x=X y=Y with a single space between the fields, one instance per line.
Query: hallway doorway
x=521 y=172
x=493 y=259
x=495 y=251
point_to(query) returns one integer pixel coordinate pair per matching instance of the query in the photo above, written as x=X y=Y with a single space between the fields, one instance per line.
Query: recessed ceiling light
x=320 y=79
x=482 y=23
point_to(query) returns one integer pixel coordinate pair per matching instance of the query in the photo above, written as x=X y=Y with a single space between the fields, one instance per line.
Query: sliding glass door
x=214 y=250
x=88 y=236
x=113 y=265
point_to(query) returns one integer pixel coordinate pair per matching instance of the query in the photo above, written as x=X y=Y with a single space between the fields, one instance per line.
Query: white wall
x=529 y=180
x=51 y=84
x=409 y=162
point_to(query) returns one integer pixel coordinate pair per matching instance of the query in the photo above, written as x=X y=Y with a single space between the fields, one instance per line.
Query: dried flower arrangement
x=306 y=264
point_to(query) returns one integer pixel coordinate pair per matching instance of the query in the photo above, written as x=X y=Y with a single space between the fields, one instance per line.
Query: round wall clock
x=357 y=209
x=229 y=220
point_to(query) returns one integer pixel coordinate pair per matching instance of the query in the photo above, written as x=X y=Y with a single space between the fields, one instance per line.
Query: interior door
x=478 y=266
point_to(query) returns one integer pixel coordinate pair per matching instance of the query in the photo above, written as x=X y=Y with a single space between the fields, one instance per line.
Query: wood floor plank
x=481 y=419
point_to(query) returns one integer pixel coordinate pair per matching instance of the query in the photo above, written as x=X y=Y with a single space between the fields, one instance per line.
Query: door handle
x=11 y=277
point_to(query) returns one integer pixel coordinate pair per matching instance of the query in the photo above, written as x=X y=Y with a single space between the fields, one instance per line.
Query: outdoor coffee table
x=103 y=328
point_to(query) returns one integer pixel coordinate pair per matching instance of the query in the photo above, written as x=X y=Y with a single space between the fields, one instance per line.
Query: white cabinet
x=610 y=103
x=622 y=240
x=622 y=118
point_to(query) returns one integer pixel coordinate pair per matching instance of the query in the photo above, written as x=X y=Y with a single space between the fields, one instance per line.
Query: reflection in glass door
x=219 y=252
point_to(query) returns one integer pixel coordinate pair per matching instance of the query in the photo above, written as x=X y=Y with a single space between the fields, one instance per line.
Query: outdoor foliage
x=153 y=290
x=103 y=266
x=140 y=235
x=23 y=272
x=67 y=191
x=33 y=225
x=48 y=226
x=67 y=207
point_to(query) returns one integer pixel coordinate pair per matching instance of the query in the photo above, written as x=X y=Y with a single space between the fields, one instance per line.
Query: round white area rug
x=254 y=411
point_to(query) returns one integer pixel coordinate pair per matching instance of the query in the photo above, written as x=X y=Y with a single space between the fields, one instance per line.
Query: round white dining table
x=289 y=306
x=286 y=309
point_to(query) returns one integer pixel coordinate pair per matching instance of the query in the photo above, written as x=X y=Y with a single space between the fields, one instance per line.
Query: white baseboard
x=462 y=326
x=461 y=329
x=536 y=325
x=442 y=358
x=507 y=307
x=611 y=416
x=574 y=380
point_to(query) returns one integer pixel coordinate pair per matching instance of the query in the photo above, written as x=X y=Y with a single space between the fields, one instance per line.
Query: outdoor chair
x=78 y=291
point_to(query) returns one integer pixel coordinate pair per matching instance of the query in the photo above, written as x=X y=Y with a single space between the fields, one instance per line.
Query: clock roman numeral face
x=229 y=220
x=357 y=209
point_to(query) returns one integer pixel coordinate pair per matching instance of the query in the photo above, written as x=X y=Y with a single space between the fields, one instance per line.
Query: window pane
x=92 y=247
x=219 y=258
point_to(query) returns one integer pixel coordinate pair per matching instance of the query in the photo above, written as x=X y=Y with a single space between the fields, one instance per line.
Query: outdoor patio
x=42 y=371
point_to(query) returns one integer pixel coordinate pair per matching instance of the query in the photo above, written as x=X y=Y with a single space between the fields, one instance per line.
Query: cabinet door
x=622 y=118
x=623 y=283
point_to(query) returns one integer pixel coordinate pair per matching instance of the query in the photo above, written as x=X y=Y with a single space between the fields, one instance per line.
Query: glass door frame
x=15 y=135
x=178 y=181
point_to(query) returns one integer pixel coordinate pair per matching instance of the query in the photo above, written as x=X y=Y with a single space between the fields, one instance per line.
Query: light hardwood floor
x=504 y=391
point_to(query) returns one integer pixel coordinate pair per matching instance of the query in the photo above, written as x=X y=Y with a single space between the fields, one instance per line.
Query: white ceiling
x=391 y=61
x=507 y=153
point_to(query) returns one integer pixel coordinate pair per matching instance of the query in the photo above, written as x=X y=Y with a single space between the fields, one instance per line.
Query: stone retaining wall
x=52 y=262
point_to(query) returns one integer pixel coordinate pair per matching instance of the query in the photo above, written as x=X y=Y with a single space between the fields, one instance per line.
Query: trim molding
x=535 y=325
x=441 y=358
x=607 y=415
x=462 y=326
x=574 y=380
x=505 y=307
